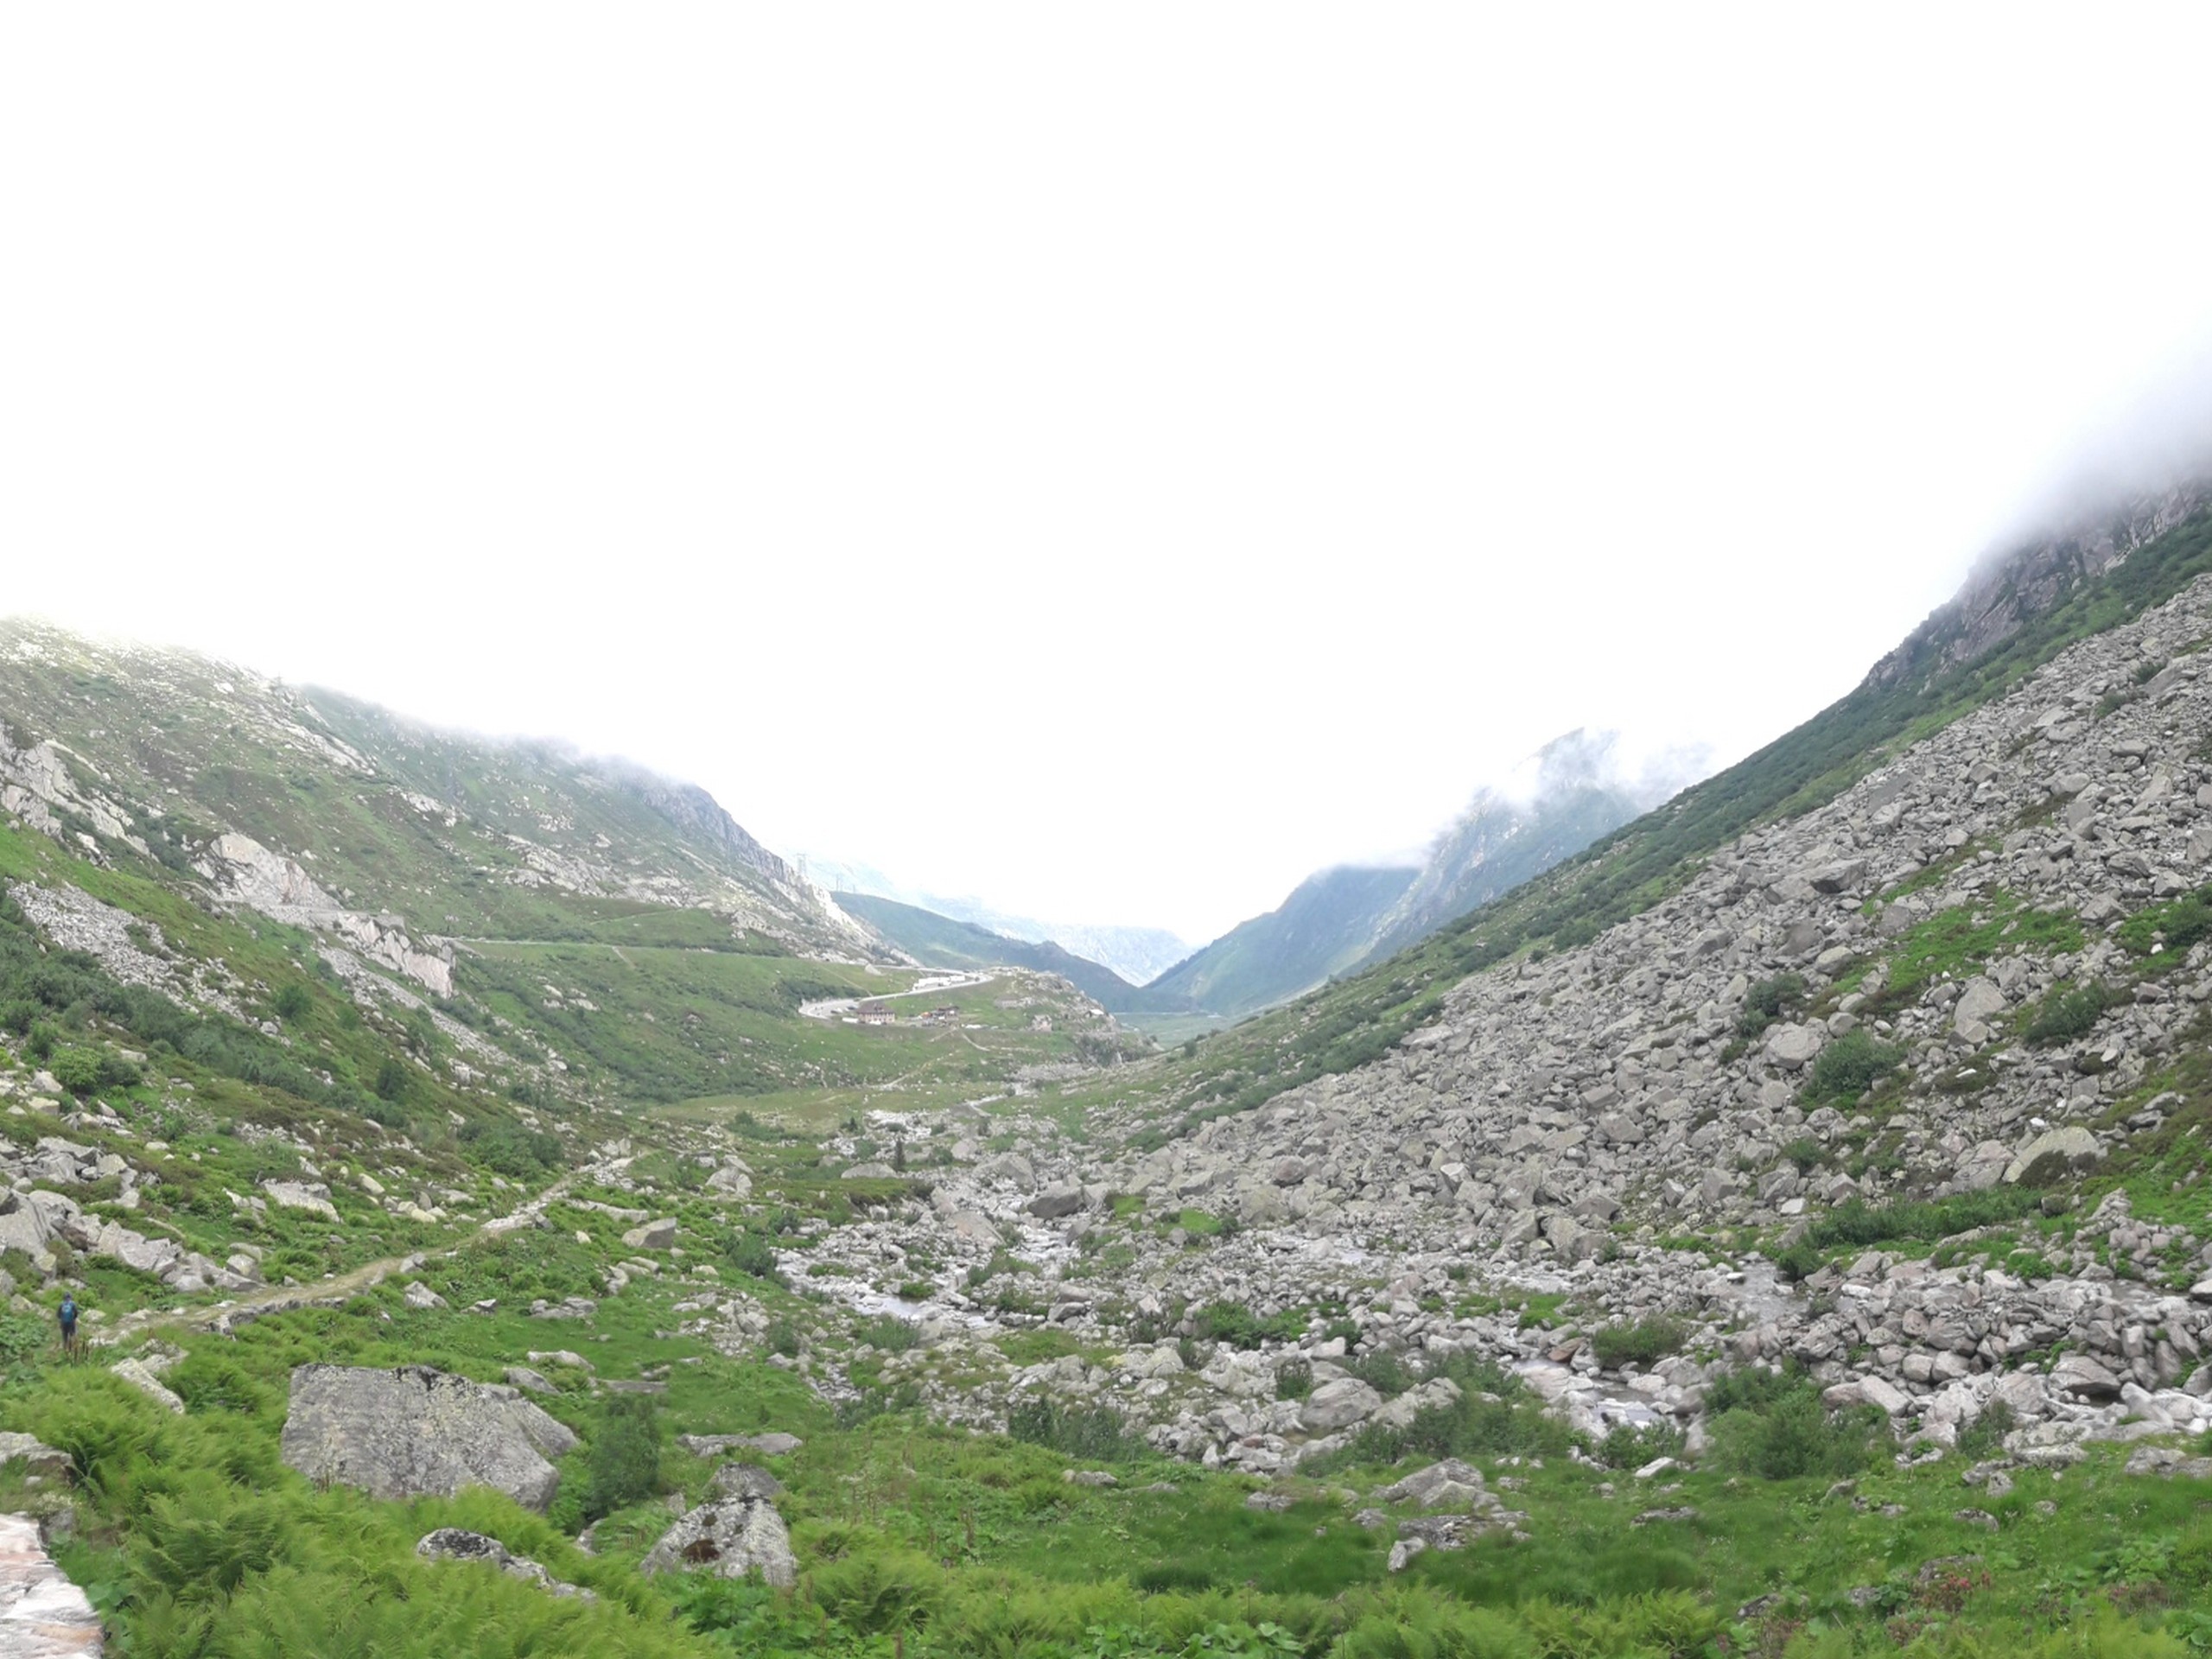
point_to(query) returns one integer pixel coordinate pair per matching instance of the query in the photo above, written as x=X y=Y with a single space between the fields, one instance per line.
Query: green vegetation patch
x=1860 y=1225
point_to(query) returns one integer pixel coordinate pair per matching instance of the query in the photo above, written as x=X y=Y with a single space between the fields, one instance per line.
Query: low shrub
x=1985 y=1436
x=1851 y=1064
x=1776 y=1429
x=753 y=1255
x=1238 y=1325
x=1628 y=1445
x=1382 y=1371
x=1496 y=1416
x=887 y=1333
x=79 y=1071
x=1294 y=1379
x=1806 y=1153
x=622 y=1465
x=2163 y=934
x=1929 y=1220
x=878 y=1591
x=1769 y=1002
x=1093 y=1433
x=2067 y=1012
x=1644 y=1342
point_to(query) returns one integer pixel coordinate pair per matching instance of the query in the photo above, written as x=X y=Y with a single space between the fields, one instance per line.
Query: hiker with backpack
x=68 y=1317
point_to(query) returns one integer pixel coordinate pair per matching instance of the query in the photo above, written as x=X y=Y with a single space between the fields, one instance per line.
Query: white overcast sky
x=1111 y=459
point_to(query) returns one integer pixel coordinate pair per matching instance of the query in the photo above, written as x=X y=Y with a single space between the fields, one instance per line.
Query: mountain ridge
x=1348 y=917
x=937 y=941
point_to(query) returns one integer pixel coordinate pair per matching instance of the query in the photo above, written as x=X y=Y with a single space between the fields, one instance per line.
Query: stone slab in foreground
x=42 y=1615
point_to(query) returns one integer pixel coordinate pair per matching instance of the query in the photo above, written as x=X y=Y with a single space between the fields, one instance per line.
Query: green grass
x=710 y=1029
x=1961 y=940
x=1859 y=1225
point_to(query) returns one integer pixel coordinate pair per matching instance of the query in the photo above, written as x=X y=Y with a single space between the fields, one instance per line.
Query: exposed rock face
x=418 y=1432
x=734 y=1537
x=2021 y=583
x=34 y=1221
x=248 y=873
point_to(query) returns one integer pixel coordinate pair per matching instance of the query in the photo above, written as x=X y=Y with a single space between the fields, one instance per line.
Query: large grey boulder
x=1791 y=1046
x=1338 y=1404
x=2051 y=1155
x=414 y=1431
x=1450 y=1484
x=1978 y=1006
x=2086 y=1377
x=735 y=1536
x=730 y=1182
x=653 y=1235
x=1056 y=1202
x=311 y=1196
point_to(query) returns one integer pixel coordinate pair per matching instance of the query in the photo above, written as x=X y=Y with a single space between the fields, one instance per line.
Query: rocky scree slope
x=1972 y=983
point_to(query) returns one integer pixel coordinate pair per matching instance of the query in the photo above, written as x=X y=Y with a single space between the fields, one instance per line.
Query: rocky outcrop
x=733 y=1538
x=418 y=1432
x=456 y=1544
x=36 y=1221
x=2016 y=585
x=247 y=873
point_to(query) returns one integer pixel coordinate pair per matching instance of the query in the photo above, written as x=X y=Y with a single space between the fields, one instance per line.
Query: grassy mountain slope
x=1325 y=926
x=937 y=941
x=166 y=751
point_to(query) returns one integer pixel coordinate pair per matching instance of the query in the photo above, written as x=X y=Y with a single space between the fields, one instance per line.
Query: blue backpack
x=68 y=1310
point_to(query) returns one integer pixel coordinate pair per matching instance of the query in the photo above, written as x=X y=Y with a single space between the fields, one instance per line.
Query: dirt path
x=830 y=1008
x=330 y=1293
